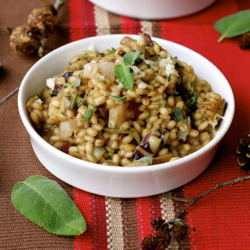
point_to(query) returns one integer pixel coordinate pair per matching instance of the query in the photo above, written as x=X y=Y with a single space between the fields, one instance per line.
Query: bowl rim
x=120 y=169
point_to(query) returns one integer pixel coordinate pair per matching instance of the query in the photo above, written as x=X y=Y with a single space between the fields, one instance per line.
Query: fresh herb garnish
x=178 y=114
x=193 y=98
x=112 y=51
x=146 y=159
x=179 y=80
x=162 y=104
x=68 y=95
x=152 y=82
x=149 y=66
x=45 y=203
x=233 y=25
x=80 y=67
x=88 y=113
x=169 y=77
x=178 y=66
x=118 y=98
x=73 y=103
x=190 y=84
x=55 y=92
x=65 y=86
x=110 y=155
x=85 y=55
x=77 y=82
x=124 y=75
x=130 y=58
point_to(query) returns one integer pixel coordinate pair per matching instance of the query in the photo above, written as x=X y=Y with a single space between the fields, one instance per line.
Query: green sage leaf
x=130 y=58
x=87 y=115
x=178 y=114
x=194 y=98
x=233 y=25
x=44 y=202
x=77 y=82
x=73 y=103
x=124 y=75
x=146 y=159
x=118 y=98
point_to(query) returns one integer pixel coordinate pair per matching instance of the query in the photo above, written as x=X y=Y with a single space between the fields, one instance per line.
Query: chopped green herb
x=63 y=113
x=110 y=155
x=152 y=82
x=118 y=98
x=149 y=66
x=80 y=102
x=122 y=129
x=149 y=115
x=175 y=57
x=178 y=66
x=85 y=55
x=146 y=159
x=80 y=67
x=87 y=115
x=169 y=77
x=162 y=104
x=55 y=92
x=130 y=58
x=178 y=114
x=190 y=84
x=104 y=81
x=65 y=86
x=73 y=103
x=68 y=95
x=110 y=125
x=194 y=98
x=124 y=75
x=112 y=51
x=77 y=82
x=179 y=80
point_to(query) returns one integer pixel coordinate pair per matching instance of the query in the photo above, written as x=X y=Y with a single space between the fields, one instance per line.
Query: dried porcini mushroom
x=22 y=42
x=244 y=41
x=164 y=232
x=242 y=152
x=30 y=38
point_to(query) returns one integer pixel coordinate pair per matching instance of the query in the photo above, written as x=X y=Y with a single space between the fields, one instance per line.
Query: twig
x=13 y=92
x=193 y=200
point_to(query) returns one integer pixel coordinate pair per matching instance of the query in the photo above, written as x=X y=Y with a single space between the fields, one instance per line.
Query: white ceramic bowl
x=121 y=181
x=153 y=9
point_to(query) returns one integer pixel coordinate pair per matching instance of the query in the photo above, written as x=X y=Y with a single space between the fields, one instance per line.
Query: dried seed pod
x=244 y=41
x=149 y=243
x=159 y=224
x=242 y=152
x=41 y=22
x=22 y=42
x=179 y=231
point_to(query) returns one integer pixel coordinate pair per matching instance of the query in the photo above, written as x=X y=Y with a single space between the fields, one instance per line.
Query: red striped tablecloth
x=221 y=219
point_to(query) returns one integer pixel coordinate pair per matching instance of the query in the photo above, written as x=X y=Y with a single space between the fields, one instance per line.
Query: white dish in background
x=153 y=9
x=121 y=181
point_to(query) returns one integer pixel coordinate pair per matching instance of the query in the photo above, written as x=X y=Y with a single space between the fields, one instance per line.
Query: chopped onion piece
x=98 y=152
x=66 y=129
x=51 y=82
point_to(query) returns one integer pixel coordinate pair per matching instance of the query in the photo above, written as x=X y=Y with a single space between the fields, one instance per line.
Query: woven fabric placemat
x=221 y=219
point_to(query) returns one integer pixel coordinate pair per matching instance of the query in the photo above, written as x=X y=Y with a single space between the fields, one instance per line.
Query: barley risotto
x=135 y=105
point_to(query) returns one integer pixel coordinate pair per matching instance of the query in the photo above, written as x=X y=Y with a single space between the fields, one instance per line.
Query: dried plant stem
x=195 y=199
x=13 y=92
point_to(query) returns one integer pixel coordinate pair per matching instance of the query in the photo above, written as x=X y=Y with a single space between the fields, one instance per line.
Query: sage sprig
x=123 y=74
x=44 y=202
x=233 y=25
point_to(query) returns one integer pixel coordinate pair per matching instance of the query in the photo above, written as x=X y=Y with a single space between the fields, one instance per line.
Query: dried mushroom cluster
x=30 y=38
